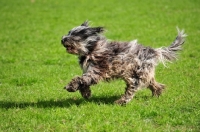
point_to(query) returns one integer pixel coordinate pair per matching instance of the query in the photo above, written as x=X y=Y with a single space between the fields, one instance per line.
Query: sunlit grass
x=34 y=67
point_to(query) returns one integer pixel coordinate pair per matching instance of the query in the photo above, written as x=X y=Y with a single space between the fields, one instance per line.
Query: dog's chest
x=84 y=62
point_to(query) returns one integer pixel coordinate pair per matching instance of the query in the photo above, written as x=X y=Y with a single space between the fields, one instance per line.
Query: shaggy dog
x=101 y=59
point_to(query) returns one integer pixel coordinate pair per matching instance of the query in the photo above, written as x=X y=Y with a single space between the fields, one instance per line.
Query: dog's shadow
x=65 y=103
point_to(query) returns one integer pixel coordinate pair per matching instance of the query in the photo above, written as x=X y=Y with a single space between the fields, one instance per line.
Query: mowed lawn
x=34 y=66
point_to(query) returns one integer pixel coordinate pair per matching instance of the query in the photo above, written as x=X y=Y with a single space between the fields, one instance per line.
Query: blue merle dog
x=101 y=59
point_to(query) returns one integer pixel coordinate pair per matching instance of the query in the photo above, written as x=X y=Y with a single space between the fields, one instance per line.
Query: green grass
x=34 y=66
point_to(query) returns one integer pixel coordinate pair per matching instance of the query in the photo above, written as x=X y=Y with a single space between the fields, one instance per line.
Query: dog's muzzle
x=64 y=38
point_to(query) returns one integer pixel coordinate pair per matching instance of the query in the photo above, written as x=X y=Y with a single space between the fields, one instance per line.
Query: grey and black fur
x=101 y=59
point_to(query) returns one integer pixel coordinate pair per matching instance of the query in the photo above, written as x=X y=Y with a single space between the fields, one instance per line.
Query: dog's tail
x=168 y=54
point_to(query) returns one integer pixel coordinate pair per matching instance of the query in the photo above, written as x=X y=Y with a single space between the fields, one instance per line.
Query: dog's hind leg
x=132 y=86
x=156 y=88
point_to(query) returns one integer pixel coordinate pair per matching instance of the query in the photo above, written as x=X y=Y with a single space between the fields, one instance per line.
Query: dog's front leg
x=74 y=85
x=83 y=84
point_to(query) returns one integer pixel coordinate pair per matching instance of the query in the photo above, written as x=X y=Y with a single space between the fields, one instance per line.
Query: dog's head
x=82 y=39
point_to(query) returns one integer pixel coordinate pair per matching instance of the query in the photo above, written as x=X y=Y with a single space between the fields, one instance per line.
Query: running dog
x=101 y=59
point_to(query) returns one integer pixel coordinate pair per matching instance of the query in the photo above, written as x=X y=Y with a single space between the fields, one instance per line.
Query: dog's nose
x=64 y=38
x=62 y=41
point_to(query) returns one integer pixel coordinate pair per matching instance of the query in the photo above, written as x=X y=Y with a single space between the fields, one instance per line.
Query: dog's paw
x=158 y=91
x=73 y=86
x=86 y=93
x=70 y=88
x=120 y=102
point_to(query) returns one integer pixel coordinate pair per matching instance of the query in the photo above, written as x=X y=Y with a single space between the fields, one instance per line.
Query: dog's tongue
x=69 y=48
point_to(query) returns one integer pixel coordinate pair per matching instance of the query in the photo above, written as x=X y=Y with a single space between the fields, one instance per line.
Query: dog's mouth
x=70 y=49
x=68 y=44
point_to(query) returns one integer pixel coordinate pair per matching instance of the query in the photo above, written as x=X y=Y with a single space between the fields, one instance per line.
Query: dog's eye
x=69 y=32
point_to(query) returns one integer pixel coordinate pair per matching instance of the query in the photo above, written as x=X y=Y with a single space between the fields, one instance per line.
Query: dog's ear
x=97 y=29
x=86 y=23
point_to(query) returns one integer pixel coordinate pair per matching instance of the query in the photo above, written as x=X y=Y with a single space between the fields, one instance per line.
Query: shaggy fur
x=104 y=60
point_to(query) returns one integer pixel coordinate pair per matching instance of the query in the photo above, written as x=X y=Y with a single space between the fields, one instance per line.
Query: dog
x=101 y=59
